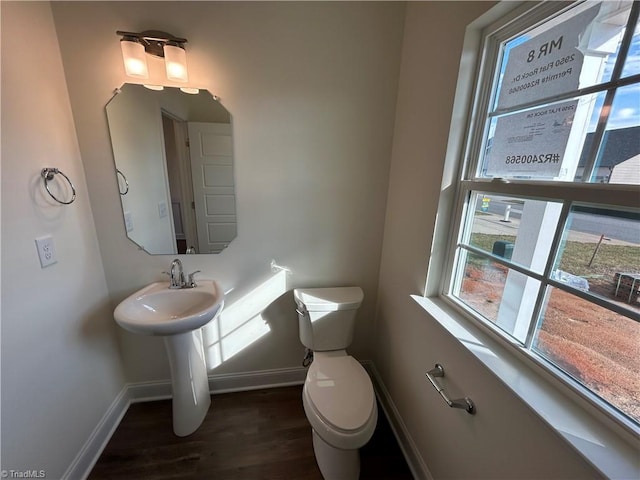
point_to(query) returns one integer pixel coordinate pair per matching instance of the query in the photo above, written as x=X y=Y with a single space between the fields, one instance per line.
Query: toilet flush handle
x=308 y=357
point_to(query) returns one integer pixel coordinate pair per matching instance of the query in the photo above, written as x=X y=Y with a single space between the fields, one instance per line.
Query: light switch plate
x=162 y=209
x=128 y=221
x=46 y=251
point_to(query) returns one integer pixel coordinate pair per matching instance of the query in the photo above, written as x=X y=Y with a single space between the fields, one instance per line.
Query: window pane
x=618 y=159
x=495 y=223
x=554 y=142
x=543 y=143
x=501 y=295
x=595 y=346
x=482 y=285
x=515 y=228
x=600 y=253
x=576 y=49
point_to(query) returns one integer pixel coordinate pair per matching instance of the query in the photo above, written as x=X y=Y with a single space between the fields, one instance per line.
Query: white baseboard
x=149 y=391
x=411 y=453
x=97 y=441
x=89 y=454
x=239 y=382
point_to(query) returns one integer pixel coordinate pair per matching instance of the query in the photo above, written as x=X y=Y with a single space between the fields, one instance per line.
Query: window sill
x=605 y=445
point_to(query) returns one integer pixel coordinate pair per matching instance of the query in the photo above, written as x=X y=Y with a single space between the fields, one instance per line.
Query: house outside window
x=547 y=250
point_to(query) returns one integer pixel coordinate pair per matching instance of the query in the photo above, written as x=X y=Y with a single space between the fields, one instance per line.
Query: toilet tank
x=327 y=316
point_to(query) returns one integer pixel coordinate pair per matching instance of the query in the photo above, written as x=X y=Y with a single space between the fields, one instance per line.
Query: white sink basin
x=159 y=310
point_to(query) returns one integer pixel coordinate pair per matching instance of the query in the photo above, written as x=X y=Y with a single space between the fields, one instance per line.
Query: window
x=548 y=237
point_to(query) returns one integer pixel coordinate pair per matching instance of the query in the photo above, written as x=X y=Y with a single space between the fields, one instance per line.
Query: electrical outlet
x=46 y=251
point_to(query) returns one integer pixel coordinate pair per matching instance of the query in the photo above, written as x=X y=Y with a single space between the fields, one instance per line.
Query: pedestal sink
x=178 y=315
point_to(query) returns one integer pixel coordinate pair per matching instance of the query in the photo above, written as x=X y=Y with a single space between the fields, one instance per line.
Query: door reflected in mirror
x=173 y=156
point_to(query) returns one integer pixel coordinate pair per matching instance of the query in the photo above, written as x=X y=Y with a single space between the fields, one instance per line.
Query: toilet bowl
x=339 y=401
x=338 y=396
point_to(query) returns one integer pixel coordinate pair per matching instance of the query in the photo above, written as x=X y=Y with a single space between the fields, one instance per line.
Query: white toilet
x=338 y=395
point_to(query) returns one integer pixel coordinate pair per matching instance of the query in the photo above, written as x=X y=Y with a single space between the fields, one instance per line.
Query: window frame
x=464 y=177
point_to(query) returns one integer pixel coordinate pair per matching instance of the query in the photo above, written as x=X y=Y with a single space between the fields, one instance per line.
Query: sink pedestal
x=189 y=382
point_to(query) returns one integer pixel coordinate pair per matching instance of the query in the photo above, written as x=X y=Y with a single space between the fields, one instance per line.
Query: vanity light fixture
x=135 y=62
x=190 y=90
x=157 y=88
x=175 y=62
x=156 y=43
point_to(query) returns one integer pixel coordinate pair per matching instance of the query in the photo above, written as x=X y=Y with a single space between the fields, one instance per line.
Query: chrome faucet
x=176 y=276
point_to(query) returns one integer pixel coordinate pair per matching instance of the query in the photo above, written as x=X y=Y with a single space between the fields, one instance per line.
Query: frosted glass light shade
x=135 y=61
x=175 y=61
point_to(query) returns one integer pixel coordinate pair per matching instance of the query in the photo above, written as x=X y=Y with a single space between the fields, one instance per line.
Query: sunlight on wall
x=241 y=323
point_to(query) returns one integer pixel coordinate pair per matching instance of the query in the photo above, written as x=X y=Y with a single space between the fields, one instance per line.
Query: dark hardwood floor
x=261 y=434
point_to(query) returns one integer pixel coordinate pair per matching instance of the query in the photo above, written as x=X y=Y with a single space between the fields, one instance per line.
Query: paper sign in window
x=531 y=143
x=548 y=64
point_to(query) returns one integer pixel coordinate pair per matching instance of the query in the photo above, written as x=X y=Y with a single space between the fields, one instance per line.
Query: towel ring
x=47 y=175
x=126 y=182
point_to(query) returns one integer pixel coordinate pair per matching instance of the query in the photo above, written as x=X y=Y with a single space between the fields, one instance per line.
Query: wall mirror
x=173 y=155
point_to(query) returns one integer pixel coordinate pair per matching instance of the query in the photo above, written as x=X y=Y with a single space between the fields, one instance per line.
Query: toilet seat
x=339 y=401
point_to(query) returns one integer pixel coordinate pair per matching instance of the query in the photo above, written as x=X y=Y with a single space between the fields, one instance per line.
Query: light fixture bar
x=154 y=41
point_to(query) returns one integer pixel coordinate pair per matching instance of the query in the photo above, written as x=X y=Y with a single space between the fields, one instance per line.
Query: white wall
x=60 y=362
x=312 y=89
x=504 y=439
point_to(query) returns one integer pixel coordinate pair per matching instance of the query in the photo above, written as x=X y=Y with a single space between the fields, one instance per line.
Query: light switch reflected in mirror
x=173 y=156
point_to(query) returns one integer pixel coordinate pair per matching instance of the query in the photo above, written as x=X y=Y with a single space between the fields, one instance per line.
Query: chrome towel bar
x=463 y=403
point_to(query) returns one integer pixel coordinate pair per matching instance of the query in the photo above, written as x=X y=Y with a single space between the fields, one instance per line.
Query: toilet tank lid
x=329 y=299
